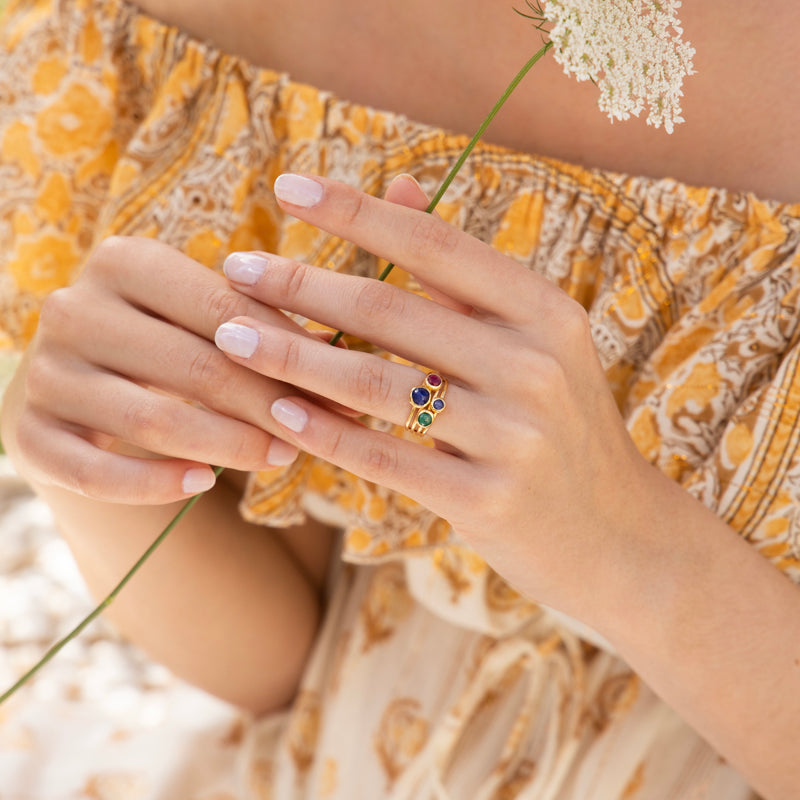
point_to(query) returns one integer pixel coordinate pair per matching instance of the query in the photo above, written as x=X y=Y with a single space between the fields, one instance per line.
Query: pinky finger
x=67 y=460
x=430 y=476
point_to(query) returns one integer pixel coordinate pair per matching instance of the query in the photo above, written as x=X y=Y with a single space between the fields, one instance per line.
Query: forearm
x=714 y=629
x=222 y=603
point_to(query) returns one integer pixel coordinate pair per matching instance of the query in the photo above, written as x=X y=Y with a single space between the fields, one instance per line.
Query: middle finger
x=408 y=325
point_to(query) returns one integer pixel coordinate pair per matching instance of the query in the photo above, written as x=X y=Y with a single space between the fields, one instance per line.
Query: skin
x=248 y=606
x=446 y=63
x=635 y=534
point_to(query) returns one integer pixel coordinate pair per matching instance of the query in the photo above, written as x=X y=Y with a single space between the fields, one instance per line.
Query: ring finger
x=362 y=381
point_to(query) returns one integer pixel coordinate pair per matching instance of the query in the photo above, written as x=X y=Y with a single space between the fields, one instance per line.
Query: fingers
x=102 y=402
x=120 y=357
x=166 y=283
x=362 y=381
x=381 y=458
x=64 y=458
x=405 y=324
x=154 y=352
x=445 y=258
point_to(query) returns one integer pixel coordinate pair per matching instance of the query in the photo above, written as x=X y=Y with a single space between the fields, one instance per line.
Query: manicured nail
x=238 y=340
x=281 y=453
x=289 y=414
x=405 y=176
x=245 y=268
x=198 y=479
x=297 y=190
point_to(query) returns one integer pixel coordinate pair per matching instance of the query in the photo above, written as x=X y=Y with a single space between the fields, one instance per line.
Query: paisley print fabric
x=432 y=677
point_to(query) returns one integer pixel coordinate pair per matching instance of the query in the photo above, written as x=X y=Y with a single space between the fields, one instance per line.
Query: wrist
x=653 y=573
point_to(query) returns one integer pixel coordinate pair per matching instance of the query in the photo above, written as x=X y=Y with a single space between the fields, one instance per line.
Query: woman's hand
x=533 y=465
x=123 y=362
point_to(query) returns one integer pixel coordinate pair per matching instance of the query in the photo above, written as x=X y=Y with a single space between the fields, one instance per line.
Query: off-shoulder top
x=432 y=676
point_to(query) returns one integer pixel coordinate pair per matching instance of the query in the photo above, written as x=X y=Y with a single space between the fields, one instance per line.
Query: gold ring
x=426 y=402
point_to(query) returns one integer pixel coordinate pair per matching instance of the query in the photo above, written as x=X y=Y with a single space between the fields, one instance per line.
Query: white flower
x=632 y=49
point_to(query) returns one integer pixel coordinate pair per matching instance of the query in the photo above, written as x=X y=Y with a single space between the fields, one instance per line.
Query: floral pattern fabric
x=432 y=677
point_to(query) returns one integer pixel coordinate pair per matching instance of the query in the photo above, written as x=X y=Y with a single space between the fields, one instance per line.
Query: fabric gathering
x=431 y=677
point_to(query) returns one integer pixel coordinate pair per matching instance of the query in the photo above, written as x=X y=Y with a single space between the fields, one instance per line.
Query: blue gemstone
x=438 y=404
x=420 y=395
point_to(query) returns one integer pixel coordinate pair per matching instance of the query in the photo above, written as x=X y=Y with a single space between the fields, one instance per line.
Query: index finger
x=166 y=283
x=432 y=250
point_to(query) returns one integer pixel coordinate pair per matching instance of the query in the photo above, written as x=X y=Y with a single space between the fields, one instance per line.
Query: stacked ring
x=426 y=402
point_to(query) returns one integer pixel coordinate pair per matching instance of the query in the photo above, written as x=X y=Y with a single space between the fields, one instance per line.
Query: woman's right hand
x=123 y=361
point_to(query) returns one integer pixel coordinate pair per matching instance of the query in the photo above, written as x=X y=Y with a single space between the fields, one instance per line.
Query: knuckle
x=28 y=438
x=351 y=207
x=495 y=496
x=331 y=446
x=149 y=424
x=375 y=301
x=550 y=379
x=222 y=304
x=58 y=310
x=250 y=450
x=432 y=237
x=106 y=250
x=524 y=446
x=291 y=360
x=371 y=383
x=207 y=372
x=292 y=283
x=39 y=380
x=381 y=460
x=109 y=257
x=85 y=478
x=575 y=321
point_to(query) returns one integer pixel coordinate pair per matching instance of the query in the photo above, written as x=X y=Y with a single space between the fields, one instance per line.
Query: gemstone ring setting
x=427 y=401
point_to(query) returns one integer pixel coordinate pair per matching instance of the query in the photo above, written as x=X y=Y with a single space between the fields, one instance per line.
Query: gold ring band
x=427 y=401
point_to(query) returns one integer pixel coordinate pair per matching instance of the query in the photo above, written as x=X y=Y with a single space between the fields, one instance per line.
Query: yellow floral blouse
x=432 y=678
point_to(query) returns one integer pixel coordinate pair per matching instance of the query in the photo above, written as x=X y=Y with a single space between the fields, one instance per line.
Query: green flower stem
x=58 y=646
x=468 y=149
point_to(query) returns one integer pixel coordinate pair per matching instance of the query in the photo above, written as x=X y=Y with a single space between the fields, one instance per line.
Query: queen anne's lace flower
x=632 y=49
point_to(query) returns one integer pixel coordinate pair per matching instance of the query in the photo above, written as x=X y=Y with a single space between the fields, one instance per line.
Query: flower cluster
x=632 y=49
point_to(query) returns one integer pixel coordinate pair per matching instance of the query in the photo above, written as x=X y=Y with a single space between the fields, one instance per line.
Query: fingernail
x=245 y=268
x=405 y=176
x=297 y=190
x=238 y=340
x=289 y=414
x=198 y=479
x=281 y=453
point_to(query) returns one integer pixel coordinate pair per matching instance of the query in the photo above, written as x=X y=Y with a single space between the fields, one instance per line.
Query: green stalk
x=468 y=149
x=112 y=595
x=58 y=646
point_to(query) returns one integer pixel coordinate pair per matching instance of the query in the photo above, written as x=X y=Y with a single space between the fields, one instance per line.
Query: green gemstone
x=424 y=419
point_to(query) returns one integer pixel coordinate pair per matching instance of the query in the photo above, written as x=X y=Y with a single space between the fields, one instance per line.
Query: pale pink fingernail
x=281 y=453
x=298 y=190
x=245 y=268
x=198 y=479
x=289 y=414
x=238 y=340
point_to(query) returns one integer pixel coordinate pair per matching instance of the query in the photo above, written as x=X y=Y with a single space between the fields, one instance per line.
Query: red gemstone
x=433 y=380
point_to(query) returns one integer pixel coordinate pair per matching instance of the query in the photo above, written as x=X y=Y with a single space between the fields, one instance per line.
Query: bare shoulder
x=741 y=123
x=194 y=18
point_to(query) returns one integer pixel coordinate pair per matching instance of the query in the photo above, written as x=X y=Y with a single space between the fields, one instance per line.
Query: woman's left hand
x=533 y=466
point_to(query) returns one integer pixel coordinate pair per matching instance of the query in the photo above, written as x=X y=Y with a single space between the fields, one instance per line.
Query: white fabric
x=101 y=721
